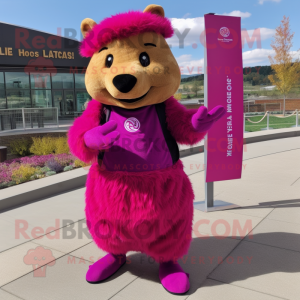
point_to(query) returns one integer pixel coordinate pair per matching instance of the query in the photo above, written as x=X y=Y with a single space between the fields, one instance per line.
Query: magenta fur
x=151 y=211
x=179 y=123
x=89 y=119
x=124 y=25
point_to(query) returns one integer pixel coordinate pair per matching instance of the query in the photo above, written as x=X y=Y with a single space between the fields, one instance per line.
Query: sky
x=259 y=17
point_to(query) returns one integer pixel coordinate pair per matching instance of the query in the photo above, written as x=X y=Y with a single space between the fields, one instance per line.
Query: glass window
x=2 y=99
x=58 y=101
x=79 y=81
x=62 y=81
x=40 y=80
x=41 y=98
x=82 y=99
x=18 y=98
x=1 y=81
x=17 y=80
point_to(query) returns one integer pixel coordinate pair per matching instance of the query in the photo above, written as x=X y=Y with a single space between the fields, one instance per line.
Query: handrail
x=259 y=120
x=268 y=119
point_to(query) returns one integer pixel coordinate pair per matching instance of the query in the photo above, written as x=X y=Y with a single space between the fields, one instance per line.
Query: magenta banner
x=224 y=86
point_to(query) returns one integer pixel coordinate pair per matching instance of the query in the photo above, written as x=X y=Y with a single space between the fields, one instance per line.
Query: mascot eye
x=108 y=61
x=144 y=59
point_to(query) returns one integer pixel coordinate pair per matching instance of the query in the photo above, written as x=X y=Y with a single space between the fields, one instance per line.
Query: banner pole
x=209 y=203
x=209 y=186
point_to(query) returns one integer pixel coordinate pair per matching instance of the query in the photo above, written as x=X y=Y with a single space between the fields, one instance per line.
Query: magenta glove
x=102 y=137
x=202 y=121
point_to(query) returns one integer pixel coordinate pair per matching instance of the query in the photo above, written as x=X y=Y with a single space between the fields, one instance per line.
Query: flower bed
x=23 y=169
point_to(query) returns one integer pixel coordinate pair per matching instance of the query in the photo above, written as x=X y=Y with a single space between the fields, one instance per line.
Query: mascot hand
x=202 y=121
x=102 y=137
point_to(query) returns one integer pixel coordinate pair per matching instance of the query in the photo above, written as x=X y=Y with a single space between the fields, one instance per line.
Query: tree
x=286 y=72
x=186 y=88
x=195 y=87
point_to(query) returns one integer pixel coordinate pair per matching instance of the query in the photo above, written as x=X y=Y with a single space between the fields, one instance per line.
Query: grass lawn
x=275 y=122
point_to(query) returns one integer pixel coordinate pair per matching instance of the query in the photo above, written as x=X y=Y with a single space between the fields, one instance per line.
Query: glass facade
x=2 y=92
x=40 y=81
x=1 y=81
x=66 y=91
x=41 y=98
x=16 y=80
x=2 y=99
x=79 y=81
x=62 y=81
x=18 y=98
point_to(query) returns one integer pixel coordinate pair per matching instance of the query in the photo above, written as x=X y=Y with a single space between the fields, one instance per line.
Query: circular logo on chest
x=132 y=124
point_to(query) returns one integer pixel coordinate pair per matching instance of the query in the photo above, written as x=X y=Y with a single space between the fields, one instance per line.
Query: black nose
x=124 y=82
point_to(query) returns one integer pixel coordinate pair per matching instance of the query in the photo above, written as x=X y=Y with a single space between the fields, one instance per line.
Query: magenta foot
x=105 y=267
x=173 y=278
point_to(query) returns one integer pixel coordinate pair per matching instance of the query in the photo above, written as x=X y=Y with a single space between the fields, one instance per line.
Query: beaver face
x=133 y=72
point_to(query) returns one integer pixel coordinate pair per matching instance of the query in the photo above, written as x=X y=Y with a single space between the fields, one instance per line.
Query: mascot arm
x=189 y=126
x=87 y=121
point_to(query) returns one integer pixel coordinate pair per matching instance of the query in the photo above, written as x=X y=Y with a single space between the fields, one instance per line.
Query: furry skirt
x=149 y=212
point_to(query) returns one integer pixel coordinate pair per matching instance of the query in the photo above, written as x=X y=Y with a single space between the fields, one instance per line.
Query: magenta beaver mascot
x=138 y=198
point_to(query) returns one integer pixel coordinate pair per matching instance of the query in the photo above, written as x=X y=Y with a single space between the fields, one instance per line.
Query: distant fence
x=27 y=118
x=271 y=120
x=261 y=107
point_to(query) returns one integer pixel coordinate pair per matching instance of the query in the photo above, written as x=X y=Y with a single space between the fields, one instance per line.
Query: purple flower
x=53 y=165
x=55 y=162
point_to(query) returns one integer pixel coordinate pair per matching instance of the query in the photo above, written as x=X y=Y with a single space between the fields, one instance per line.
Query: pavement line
x=124 y=287
x=12 y=294
x=55 y=259
x=246 y=289
x=238 y=244
x=295 y=181
x=272 y=246
x=32 y=240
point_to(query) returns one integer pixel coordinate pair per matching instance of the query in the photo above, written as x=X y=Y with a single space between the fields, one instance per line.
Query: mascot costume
x=138 y=197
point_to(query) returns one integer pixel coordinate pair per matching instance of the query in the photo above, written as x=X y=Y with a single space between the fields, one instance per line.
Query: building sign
x=20 y=45
x=224 y=75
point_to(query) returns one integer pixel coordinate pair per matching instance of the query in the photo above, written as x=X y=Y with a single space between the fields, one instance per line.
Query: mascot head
x=131 y=63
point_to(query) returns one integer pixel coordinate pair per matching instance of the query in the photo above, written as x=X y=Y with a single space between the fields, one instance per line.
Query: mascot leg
x=105 y=267
x=173 y=278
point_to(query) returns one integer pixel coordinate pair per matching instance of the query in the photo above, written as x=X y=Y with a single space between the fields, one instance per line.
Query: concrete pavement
x=244 y=253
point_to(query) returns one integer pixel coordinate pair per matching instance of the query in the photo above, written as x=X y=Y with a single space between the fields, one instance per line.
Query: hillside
x=253 y=75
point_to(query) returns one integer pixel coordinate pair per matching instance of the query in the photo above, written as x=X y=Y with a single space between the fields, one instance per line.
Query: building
x=40 y=70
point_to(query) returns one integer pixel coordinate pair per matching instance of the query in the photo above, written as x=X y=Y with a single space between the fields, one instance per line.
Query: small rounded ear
x=86 y=25
x=155 y=9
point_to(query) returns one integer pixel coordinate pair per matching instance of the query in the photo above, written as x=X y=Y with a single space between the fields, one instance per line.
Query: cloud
x=186 y=15
x=190 y=66
x=257 y=57
x=237 y=13
x=261 y=56
x=251 y=58
x=256 y=35
x=262 y=1
x=195 y=26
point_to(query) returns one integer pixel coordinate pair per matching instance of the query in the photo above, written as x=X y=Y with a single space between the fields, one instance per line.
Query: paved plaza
x=251 y=252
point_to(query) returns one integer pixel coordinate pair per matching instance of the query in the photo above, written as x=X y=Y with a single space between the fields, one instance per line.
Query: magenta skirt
x=149 y=212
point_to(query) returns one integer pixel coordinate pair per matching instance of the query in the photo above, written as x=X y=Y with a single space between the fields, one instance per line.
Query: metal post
x=268 y=121
x=23 y=117
x=280 y=106
x=209 y=204
x=209 y=194
x=297 y=120
x=57 y=117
